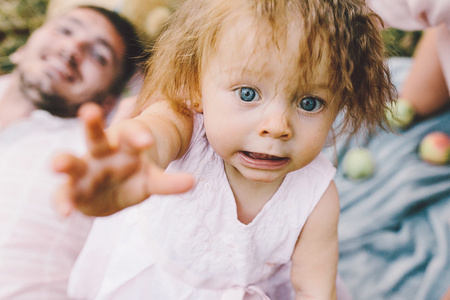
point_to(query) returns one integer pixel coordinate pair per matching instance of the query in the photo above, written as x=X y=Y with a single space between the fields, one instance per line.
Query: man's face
x=70 y=60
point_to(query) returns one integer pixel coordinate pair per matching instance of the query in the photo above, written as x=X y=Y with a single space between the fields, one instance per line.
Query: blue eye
x=311 y=104
x=247 y=94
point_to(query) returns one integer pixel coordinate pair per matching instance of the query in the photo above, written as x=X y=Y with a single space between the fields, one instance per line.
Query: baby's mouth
x=263 y=161
x=262 y=156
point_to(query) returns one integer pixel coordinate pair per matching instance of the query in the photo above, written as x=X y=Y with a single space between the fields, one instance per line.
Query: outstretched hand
x=115 y=172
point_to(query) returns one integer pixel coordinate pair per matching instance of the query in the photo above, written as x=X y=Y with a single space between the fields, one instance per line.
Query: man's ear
x=17 y=56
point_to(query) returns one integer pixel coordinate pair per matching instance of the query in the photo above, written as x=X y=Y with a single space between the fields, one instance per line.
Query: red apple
x=435 y=148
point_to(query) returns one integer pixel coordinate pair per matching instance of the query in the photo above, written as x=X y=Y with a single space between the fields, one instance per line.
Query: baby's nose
x=275 y=123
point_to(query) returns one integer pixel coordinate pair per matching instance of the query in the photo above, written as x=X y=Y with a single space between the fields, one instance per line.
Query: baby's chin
x=261 y=176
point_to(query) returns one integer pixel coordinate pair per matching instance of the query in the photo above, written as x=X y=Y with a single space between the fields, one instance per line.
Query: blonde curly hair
x=346 y=32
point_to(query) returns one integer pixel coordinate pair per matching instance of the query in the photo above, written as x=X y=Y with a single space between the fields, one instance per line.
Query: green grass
x=18 y=18
x=400 y=43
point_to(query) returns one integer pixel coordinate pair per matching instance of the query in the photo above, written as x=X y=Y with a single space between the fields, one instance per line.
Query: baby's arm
x=314 y=261
x=124 y=110
x=126 y=165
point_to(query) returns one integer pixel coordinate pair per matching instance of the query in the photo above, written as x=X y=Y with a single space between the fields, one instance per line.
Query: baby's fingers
x=169 y=183
x=64 y=204
x=75 y=168
x=135 y=138
x=96 y=140
x=69 y=164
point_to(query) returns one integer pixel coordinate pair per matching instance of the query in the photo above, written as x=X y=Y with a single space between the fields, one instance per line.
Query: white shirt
x=37 y=246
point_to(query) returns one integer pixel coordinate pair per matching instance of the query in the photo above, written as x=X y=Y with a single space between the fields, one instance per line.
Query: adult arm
x=425 y=86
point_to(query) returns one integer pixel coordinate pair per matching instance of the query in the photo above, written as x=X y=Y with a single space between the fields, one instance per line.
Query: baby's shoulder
x=321 y=167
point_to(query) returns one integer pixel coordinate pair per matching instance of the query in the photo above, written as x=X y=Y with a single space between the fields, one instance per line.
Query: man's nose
x=72 y=51
x=275 y=122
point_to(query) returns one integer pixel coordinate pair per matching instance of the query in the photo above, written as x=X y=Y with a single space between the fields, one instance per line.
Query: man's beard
x=48 y=101
x=57 y=106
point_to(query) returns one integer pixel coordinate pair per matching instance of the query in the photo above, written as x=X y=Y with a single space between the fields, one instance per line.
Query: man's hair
x=134 y=49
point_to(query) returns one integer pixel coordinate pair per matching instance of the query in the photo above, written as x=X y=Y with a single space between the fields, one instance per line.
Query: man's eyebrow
x=74 y=20
x=99 y=40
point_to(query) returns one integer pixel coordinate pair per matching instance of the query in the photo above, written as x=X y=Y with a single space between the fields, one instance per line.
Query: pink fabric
x=247 y=293
x=38 y=247
x=412 y=14
x=192 y=246
x=418 y=15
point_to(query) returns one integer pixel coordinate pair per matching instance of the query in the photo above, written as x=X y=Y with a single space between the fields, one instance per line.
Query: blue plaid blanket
x=394 y=227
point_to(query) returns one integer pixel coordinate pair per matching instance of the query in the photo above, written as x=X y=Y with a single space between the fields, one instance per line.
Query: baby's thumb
x=171 y=183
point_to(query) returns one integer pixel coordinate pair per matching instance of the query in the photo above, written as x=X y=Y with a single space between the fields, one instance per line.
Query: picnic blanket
x=394 y=231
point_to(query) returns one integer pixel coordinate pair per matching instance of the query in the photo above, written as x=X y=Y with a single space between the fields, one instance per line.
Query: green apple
x=358 y=163
x=400 y=114
x=435 y=148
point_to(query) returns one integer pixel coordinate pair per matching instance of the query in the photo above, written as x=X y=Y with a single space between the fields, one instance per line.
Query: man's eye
x=311 y=104
x=98 y=56
x=65 y=30
x=247 y=94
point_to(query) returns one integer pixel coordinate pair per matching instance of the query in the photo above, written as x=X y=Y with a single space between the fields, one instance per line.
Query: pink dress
x=418 y=15
x=192 y=246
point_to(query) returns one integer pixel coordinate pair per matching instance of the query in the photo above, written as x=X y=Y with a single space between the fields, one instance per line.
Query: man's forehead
x=95 y=25
x=85 y=17
x=75 y=20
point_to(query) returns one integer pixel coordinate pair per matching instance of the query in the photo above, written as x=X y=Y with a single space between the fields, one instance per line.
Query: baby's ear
x=197 y=105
